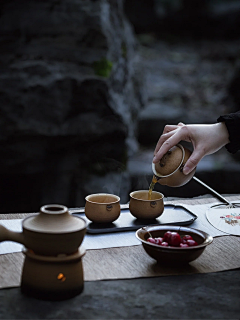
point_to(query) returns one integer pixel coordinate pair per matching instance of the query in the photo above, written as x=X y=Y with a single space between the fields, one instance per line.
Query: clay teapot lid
x=53 y=218
x=170 y=162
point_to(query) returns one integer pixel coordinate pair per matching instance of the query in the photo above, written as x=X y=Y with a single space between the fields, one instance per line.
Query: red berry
x=184 y=245
x=186 y=237
x=175 y=239
x=164 y=244
x=151 y=240
x=167 y=236
x=158 y=240
x=192 y=243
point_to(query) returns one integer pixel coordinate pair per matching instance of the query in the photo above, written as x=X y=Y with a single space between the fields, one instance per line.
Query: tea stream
x=151 y=187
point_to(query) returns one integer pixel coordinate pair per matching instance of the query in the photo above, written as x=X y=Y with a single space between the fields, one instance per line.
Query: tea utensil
x=218 y=195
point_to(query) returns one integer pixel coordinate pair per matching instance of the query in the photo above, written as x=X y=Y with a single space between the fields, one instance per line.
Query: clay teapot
x=169 y=170
x=51 y=232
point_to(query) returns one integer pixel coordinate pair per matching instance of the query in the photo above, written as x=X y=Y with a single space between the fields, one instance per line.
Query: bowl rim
x=208 y=238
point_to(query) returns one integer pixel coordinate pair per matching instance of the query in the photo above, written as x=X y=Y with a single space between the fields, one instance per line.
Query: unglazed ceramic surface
x=177 y=160
x=52 y=231
x=102 y=207
x=52 y=278
x=169 y=162
x=142 y=208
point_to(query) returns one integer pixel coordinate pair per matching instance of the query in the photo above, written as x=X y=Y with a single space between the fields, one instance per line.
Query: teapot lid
x=54 y=218
x=170 y=162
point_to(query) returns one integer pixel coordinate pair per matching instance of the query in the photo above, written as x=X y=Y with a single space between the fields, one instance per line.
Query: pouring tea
x=169 y=170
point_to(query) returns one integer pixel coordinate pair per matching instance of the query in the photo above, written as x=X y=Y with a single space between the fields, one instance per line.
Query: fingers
x=167 y=132
x=170 y=140
x=161 y=141
x=193 y=161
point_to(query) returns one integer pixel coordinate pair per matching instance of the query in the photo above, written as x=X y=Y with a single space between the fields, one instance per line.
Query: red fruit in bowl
x=184 y=245
x=164 y=244
x=158 y=240
x=151 y=240
x=175 y=239
x=192 y=243
x=167 y=236
x=186 y=237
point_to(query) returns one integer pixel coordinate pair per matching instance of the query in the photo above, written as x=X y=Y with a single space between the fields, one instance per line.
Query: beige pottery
x=52 y=278
x=142 y=208
x=52 y=231
x=102 y=207
x=169 y=170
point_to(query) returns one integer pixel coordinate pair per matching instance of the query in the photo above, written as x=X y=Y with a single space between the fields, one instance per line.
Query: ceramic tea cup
x=142 y=208
x=169 y=170
x=102 y=207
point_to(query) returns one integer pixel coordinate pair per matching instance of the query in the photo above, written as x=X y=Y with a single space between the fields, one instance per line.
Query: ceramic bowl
x=169 y=170
x=173 y=255
x=142 y=208
x=102 y=207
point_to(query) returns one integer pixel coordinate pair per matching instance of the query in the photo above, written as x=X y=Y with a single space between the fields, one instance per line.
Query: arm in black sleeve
x=232 y=122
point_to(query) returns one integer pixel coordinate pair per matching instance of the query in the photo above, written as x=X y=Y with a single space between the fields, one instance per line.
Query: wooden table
x=212 y=295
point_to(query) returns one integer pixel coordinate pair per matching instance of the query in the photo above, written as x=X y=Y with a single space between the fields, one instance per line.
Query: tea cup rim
x=156 y=192
x=117 y=198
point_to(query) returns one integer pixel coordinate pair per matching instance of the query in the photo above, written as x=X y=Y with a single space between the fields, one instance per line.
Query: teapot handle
x=8 y=235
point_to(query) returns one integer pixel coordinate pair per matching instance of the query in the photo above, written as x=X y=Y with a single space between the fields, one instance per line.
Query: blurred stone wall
x=191 y=53
x=70 y=90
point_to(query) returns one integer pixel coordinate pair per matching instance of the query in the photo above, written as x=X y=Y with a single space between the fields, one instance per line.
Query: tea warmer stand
x=52 y=278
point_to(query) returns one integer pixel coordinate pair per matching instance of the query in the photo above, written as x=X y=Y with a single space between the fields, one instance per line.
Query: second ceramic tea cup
x=142 y=208
x=102 y=207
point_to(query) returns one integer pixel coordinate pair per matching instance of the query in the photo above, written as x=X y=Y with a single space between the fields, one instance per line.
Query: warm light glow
x=61 y=277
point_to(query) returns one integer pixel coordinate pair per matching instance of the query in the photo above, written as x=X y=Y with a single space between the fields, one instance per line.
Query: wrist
x=223 y=133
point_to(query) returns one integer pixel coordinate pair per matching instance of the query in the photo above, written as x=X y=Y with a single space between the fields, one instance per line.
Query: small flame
x=61 y=277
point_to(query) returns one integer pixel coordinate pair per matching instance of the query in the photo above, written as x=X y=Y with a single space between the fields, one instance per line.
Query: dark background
x=86 y=88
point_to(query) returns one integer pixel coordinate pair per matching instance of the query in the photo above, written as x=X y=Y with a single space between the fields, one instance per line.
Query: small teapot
x=51 y=232
x=169 y=170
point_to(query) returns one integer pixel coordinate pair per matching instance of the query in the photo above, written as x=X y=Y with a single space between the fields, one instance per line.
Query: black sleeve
x=232 y=122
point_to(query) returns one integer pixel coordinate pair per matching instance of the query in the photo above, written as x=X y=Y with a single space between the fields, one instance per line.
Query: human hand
x=205 y=138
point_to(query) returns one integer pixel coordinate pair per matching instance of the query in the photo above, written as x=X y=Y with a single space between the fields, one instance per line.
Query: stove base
x=51 y=295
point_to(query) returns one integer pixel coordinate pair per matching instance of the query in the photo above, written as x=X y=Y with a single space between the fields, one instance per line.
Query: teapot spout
x=8 y=235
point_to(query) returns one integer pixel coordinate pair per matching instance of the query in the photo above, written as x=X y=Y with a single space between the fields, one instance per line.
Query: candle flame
x=61 y=277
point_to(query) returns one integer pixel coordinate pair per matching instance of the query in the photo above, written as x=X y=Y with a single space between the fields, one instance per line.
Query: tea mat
x=114 y=239
x=133 y=262
x=197 y=205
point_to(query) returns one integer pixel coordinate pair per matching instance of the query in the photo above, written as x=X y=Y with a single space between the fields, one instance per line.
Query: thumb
x=181 y=124
x=191 y=164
